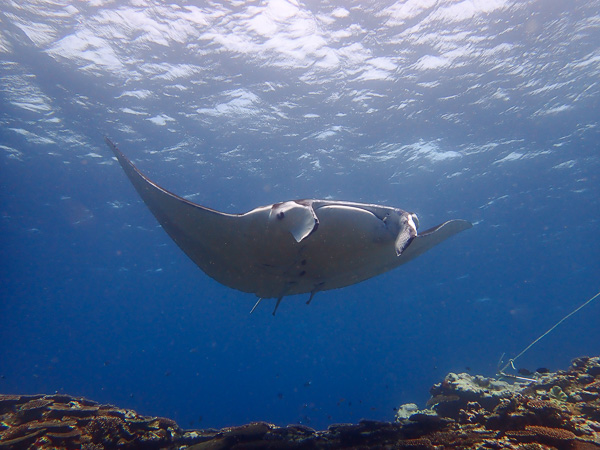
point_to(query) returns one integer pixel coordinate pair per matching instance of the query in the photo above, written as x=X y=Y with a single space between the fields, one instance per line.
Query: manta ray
x=292 y=247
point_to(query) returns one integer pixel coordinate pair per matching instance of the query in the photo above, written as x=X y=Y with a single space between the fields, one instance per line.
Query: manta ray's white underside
x=293 y=247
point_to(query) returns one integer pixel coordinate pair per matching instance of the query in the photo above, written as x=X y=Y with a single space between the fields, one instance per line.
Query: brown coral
x=33 y=409
x=416 y=444
x=15 y=432
x=551 y=436
x=64 y=410
x=107 y=430
x=473 y=412
x=35 y=404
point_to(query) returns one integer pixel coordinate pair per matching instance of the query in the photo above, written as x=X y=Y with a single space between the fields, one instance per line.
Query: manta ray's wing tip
x=465 y=224
x=452 y=226
x=113 y=147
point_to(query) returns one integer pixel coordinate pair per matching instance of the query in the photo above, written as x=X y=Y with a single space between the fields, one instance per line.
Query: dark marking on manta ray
x=336 y=243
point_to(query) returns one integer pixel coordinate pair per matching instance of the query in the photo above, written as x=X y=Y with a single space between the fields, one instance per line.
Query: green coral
x=556 y=393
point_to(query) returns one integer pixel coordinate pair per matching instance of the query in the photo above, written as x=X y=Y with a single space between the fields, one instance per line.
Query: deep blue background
x=97 y=301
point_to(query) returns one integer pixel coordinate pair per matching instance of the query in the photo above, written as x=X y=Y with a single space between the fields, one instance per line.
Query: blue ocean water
x=485 y=111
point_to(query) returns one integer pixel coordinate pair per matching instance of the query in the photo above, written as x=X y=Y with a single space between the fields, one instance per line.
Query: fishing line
x=512 y=360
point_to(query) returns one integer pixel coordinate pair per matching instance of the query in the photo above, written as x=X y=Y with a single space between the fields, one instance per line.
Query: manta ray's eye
x=280 y=215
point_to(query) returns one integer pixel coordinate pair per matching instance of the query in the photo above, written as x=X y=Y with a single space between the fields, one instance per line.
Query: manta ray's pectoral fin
x=432 y=237
x=255 y=305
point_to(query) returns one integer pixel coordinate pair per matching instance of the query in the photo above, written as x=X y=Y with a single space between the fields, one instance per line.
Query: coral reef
x=555 y=411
